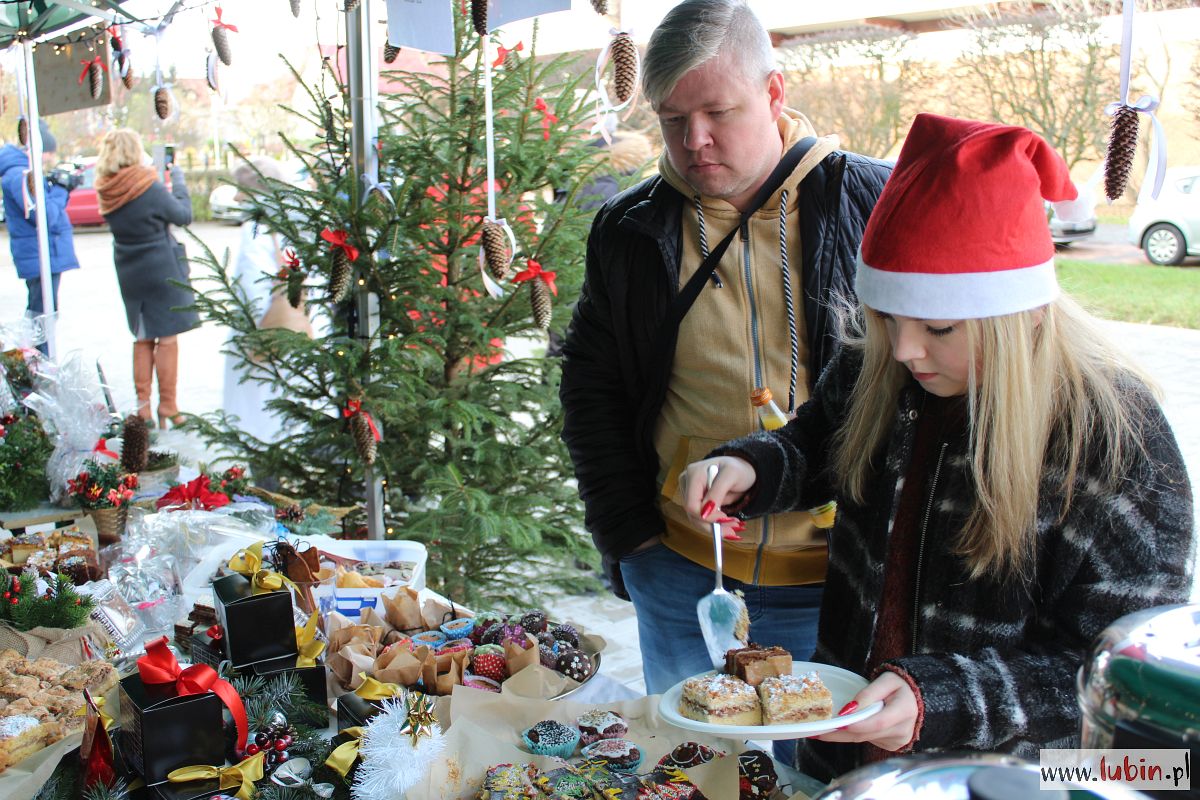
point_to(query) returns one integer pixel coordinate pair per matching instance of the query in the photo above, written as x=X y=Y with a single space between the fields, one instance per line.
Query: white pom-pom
x=390 y=764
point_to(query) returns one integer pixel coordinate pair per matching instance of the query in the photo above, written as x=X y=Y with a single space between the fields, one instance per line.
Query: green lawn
x=1135 y=292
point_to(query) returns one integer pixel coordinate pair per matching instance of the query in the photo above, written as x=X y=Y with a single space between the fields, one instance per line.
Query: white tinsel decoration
x=389 y=763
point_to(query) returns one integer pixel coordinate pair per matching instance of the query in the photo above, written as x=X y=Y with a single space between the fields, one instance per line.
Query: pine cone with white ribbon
x=495 y=250
x=162 y=102
x=220 y=39
x=625 y=66
x=1122 y=146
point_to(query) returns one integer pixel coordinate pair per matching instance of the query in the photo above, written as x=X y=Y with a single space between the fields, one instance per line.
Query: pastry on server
x=754 y=663
x=720 y=699
x=794 y=698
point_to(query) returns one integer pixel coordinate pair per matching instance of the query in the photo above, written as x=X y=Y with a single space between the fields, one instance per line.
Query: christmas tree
x=455 y=379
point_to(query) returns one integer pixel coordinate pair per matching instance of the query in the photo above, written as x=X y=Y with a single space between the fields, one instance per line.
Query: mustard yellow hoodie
x=734 y=339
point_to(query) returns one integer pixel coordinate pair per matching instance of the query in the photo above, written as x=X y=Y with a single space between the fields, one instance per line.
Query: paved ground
x=93 y=322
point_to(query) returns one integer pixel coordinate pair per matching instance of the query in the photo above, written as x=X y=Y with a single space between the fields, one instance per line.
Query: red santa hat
x=960 y=231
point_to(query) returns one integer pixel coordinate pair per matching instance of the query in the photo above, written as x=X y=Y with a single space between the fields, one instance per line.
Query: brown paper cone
x=519 y=659
x=403 y=611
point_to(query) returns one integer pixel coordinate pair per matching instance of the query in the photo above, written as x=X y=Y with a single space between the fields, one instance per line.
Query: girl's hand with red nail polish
x=709 y=507
x=894 y=727
x=735 y=476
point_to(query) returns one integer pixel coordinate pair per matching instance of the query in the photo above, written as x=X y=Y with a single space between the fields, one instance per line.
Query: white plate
x=842 y=684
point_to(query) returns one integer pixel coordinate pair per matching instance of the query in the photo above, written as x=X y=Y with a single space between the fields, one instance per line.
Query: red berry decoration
x=252 y=749
x=280 y=744
x=7 y=595
x=13 y=601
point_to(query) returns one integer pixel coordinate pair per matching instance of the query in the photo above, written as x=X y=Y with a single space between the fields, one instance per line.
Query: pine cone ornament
x=339 y=277
x=220 y=39
x=295 y=288
x=295 y=8
x=136 y=444
x=390 y=51
x=1122 y=146
x=495 y=250
x=29 y=183
x=95 y=79
x=539 y=297
x=162 y=102
x=127 y=75
x=364 y=438
x=623 y=53
x=601 y=6
x=479 y=14
x=23 y=132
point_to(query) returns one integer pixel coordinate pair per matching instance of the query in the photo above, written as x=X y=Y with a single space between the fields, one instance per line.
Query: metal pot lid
x=1146 y=666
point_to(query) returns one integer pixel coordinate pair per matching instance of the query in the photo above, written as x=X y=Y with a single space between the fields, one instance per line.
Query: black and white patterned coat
x=995 y=662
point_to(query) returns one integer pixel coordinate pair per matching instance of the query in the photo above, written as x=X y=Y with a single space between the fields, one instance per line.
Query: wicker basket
x=109 y=522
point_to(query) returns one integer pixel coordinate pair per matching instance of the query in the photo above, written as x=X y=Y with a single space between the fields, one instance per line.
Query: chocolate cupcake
x=551 y=738
x=534 y=621
x=547 y=656
x=492 y=634
x=621 y=755
x=756 y=767
x=566 y=633
x=689 y=754
x=598 y=724
x=574 y=663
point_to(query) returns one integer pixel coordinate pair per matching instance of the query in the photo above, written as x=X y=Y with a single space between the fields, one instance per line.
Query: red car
x=83 y=207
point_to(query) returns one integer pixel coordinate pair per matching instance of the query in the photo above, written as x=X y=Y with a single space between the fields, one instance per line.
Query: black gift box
x=352 y=710
x=257 y=627
x=312 y=681
x=190 y=790
x=161 y=731
x=206 y=650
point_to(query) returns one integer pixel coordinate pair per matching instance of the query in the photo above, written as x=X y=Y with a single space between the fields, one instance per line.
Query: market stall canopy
x=40 y=18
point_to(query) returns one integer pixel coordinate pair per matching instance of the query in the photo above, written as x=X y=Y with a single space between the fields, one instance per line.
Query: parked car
x=224 y=206
x=83 y=206
x=1168 y=229
x=1072 y=220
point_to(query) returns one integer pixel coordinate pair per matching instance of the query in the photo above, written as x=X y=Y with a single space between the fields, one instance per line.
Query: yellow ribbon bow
x=104 y=718
x=307 y=643
x=249 y=562
x=372 y=689
x=243 y=775
x=343 y=756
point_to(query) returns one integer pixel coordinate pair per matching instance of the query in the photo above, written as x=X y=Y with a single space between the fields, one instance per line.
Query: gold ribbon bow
x=104 y=718
x=243 y=775
x=248 y=562
x=343 y=756
x=307 y=643
x=372 y=689
x=420 y=719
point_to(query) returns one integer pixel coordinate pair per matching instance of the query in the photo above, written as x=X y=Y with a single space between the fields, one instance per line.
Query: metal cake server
x=722 y=614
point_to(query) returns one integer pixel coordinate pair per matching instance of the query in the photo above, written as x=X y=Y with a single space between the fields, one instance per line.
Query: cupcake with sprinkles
x=551 y=738
x=621 y=755
x=599 y=724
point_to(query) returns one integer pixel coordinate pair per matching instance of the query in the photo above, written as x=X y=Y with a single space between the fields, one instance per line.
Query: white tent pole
x=39 y=195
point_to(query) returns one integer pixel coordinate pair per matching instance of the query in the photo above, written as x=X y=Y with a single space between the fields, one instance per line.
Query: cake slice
x=21 y=737
x=720 y=699
x=795 y=698
x=754 y=663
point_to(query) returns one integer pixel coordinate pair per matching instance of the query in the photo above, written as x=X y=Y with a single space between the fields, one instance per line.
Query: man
x=632 y=419
x=21 y=218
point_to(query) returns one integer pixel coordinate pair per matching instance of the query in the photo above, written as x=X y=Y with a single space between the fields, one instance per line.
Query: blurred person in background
x=21 y=218
x=152 y=267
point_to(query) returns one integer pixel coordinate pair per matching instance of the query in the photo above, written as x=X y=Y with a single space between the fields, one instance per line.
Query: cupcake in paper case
x=689 y=754
x=600 y=724
x=458 y=628
x=455 y=646
x=434 y=639
x=485 y=649
x=480 y=682
x=621 y=755
x=551 y=738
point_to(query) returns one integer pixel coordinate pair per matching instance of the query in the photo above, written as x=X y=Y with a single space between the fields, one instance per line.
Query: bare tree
x=863 y=84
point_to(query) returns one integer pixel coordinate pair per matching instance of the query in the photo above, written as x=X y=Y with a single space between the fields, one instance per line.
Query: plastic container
x=351 y=602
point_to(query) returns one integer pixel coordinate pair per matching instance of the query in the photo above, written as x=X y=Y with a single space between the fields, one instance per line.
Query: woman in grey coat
x=150 y=264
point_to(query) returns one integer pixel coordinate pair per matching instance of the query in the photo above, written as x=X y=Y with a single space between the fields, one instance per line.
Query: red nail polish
x=707 y=509
x=731 y=537
x=724 y=520
x=849 y=708
x=739 y=528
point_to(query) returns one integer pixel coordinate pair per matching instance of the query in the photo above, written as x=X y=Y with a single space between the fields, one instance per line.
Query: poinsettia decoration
x=196 y=494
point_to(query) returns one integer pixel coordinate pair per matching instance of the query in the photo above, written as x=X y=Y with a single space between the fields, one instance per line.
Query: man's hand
x=890 y=729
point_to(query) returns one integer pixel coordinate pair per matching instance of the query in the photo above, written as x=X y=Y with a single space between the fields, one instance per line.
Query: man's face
x=720 y=129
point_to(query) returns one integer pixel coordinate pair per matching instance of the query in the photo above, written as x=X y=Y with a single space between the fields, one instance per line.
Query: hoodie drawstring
x=788 y=300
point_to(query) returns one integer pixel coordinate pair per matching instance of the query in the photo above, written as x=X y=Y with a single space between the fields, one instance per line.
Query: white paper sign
x=501 y=12
x=421 y=25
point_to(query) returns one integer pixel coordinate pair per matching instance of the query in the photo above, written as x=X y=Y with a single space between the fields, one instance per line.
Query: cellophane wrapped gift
x=191 y=536
x=69 y=400
x=148 y=578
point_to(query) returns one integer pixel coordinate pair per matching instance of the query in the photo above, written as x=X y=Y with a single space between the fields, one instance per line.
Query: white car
x=224 y=207
x=1168 y=229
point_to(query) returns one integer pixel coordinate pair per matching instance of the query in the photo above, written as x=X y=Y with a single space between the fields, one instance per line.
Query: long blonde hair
x=120 y=148
x=1044 y=394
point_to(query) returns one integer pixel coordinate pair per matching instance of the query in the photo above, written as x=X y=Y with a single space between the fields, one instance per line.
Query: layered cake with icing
x=794 y=698
x=720 y=699
x=754 y=664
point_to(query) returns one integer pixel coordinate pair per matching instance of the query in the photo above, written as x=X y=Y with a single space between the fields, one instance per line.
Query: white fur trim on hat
x=960 y=295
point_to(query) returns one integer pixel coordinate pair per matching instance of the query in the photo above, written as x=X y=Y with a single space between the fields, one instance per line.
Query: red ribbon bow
x=159 y=666
x=337 y=240
x=88 y=65
x=102 y=448
x=218 y=23
x=535 y=271
x=355 y=407
x=502 y=53
x=215 y=633
x=195 y=494
x=547 y=117
x=290 y=259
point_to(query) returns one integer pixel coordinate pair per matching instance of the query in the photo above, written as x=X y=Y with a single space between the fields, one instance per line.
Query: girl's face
x=934 y=350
